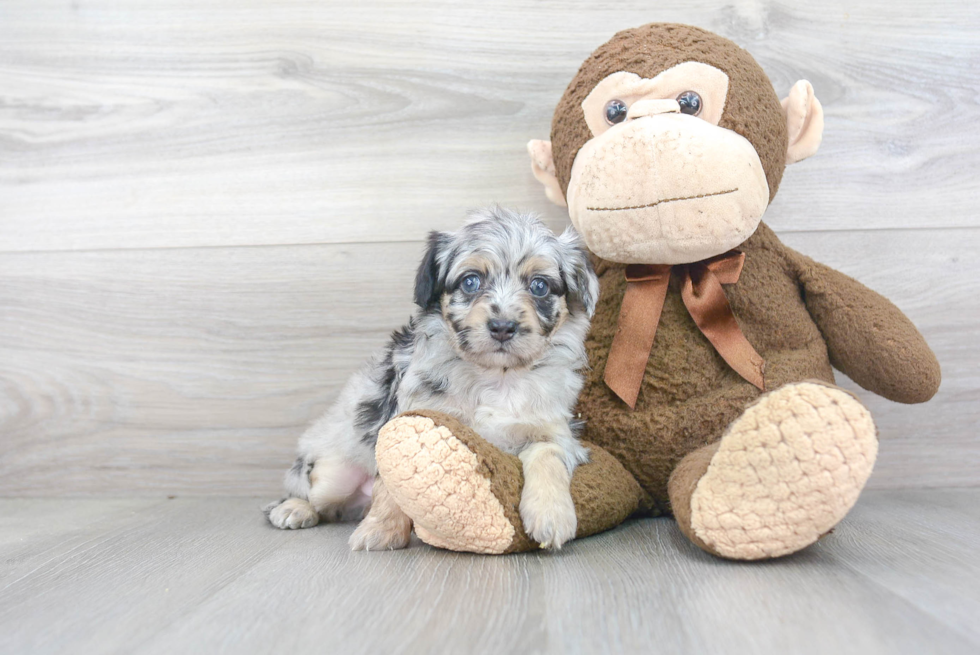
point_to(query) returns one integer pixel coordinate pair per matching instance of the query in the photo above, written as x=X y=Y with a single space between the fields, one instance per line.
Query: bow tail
x=706 y=301
x=633 y=341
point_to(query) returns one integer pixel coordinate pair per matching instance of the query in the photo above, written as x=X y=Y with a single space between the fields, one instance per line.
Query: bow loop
x=727 y=268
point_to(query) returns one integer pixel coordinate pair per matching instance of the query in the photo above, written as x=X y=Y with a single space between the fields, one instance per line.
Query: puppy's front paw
x=549 y=519
x=381 y=534
x=292 y=514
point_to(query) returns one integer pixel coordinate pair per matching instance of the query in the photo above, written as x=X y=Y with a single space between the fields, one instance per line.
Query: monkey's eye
x=690 y=103
x=539 y=287
x=470 y=284
x=615 y=111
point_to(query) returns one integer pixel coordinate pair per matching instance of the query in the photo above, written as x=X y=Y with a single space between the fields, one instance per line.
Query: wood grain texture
x=210 y=213
x=174 y=123
x=186 y=368
x=193 y=371
x=209 y=575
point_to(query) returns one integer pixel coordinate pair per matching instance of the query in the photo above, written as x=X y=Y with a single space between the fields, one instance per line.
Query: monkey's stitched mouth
x=660 y=202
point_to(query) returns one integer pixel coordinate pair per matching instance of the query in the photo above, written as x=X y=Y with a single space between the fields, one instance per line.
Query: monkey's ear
x=543 y=167
x=804 y=118
x=430 y=281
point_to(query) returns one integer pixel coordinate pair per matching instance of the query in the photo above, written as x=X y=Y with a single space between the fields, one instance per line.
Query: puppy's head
x=505 y=285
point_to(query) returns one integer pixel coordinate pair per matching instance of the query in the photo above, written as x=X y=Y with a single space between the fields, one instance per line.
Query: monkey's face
x=669 y=144
x=660 y=182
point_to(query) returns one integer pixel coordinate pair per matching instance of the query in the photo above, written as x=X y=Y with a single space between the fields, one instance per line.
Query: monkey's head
x=669 y=144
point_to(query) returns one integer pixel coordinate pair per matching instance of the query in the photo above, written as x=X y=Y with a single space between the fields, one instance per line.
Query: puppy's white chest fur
x=510 y=409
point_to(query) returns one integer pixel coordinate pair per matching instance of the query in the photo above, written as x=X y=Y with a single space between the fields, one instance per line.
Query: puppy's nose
x=502 y=330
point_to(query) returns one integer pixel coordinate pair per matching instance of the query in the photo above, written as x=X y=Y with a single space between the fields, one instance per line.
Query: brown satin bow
x=701 y=291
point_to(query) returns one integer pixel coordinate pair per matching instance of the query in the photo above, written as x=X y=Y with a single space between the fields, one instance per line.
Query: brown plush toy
x=710 y=394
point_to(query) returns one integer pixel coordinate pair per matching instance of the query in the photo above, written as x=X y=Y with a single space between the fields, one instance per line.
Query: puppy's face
x=505 y=285
x=503 y=313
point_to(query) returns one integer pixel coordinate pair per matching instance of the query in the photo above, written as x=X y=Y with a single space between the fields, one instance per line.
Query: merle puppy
x=498 y=343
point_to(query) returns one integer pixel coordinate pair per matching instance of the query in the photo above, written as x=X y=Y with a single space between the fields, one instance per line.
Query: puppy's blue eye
x=539 y=288
x=470 y=283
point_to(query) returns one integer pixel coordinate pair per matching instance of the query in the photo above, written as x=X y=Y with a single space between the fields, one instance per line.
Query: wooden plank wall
x=210 y=212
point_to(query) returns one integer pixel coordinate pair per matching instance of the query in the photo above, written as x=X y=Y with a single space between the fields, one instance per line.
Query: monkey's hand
x=868 y=338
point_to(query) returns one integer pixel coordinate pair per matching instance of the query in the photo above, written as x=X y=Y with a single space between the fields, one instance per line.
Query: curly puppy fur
x=497 y=341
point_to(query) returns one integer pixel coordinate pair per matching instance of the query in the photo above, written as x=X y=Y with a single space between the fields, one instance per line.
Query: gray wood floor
x=189 y=575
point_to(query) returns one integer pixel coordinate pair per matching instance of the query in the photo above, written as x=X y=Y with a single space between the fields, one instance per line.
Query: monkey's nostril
x=502 y=330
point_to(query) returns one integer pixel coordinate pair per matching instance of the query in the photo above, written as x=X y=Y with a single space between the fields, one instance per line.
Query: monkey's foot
x=464 y=494
x=785 y=473
x=461 y=492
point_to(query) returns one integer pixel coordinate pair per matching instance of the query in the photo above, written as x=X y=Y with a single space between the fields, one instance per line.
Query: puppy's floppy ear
x=577 y=273
x=430 y=281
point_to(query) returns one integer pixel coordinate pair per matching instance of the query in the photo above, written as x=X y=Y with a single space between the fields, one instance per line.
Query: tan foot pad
x=786 y=472
x=443 y=486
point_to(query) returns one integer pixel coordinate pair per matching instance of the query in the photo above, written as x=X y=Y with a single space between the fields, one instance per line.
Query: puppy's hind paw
x=550 y=524
x=378 y=534
x=292 y=514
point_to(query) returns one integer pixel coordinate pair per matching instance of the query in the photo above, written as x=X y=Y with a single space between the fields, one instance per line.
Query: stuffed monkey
x=711 y=393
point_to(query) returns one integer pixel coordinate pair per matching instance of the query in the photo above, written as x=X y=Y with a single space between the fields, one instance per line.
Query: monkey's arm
x=869 y=339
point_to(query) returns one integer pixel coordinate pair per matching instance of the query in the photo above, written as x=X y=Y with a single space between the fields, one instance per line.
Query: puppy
x=498 y=343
